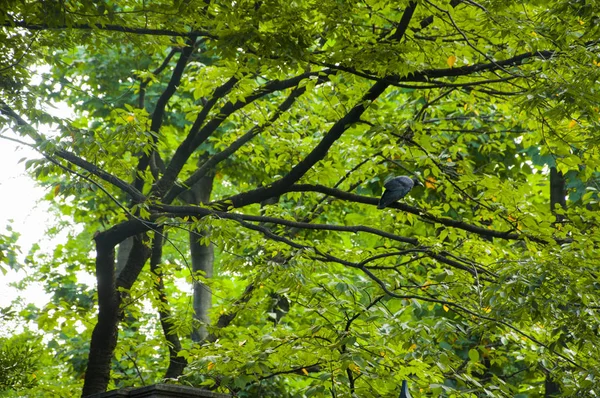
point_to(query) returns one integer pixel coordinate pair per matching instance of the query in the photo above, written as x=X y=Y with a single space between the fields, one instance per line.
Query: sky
x=19 y=196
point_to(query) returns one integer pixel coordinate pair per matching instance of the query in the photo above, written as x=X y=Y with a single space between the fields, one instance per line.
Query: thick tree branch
x=159 y=110
x=138 y=255
x=404 y=21
x=109 y=27
x=98 y=172
x=104 y=336
x=427 y=75
x=144 y=82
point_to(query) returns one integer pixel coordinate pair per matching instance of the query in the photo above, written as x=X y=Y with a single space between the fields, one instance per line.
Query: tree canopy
x=219 y=173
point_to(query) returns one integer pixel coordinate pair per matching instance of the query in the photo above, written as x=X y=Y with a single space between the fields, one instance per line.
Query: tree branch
x=224 y=154
x=319 y=152
x=109 y=27
x=159 y=110
x=193 y=140
x=182 y=211
x=70 y=157
x=508 y=235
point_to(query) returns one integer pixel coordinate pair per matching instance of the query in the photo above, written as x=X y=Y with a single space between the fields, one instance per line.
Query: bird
x=395 y=189
x=404 y=393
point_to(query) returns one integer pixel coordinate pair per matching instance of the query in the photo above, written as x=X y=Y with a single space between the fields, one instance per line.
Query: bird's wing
x=388 y=197
x=400 y=183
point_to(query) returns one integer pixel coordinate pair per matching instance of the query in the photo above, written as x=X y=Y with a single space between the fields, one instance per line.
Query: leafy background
x=263 y=132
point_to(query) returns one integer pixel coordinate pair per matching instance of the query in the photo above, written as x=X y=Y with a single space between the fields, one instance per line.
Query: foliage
x=481 y=282
x=18 y=358
x=9 y=250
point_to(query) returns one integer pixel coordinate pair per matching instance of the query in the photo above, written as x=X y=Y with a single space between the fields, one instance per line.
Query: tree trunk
x=123 y=254
x=104 y=336
x=202 y=260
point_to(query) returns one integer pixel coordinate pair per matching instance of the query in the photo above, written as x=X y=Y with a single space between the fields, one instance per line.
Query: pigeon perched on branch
x=396 y=189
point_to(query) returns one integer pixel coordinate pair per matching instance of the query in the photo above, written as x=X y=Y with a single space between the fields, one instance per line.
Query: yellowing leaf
x=354 y=367
x=487 y=310
x=130 y=118
x=412 y=347
x=446 y=308
x=572 y=123
x=451 y=60
x=305 y=371
x=211 y=365
x=430 y=183
x=56 y=190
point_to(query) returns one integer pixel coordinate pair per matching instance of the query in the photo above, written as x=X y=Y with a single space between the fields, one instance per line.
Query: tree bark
x=104 y=336
x=123 y=254
x=202 y=260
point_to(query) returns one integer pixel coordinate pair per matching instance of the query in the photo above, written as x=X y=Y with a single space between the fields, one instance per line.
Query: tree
x=481 y=282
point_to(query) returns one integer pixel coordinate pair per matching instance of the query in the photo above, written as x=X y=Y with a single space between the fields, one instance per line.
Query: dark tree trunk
x=104 y=336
